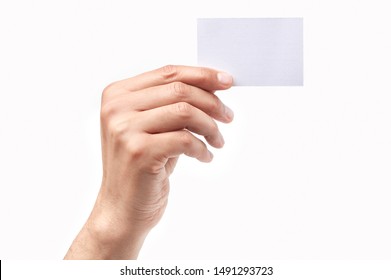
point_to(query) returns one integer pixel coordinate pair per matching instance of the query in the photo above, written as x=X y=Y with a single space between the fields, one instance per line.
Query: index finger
x=205 y=78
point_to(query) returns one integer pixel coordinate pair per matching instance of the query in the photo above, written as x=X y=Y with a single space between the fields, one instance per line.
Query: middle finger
x=163 y=95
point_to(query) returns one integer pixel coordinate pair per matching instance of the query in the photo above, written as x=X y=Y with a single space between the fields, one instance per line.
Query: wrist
x=113 y=238
x=103 y=237
x=95 y=242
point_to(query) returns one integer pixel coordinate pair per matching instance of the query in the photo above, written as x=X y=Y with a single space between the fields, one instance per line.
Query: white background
x=305 y=173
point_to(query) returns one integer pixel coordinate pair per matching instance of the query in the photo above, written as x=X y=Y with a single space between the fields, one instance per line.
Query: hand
x=147 y=122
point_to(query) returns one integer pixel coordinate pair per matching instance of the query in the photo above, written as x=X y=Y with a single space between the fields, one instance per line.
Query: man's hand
x=147 y=122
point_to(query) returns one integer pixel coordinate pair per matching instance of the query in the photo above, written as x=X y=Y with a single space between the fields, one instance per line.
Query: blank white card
x=256 y=51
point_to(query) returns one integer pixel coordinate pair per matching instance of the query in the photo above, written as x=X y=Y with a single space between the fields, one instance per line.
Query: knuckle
x=153 y=165
x=152 y=169
x=186 y=139
x=108 y=90
x=136 y=148
x=107 y=111
x=216 y=105
x=183 y=109
x=169 y=72
x=179 y=90
x=213 y=127
x=204 y=75
x=117 y=130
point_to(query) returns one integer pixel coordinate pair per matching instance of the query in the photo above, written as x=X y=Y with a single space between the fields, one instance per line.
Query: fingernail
x=229 y=113
x=222 y=142
x=224 y=78
x=210 y=155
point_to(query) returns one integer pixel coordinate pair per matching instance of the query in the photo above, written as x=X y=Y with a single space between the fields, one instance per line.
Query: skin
x=147 y=122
